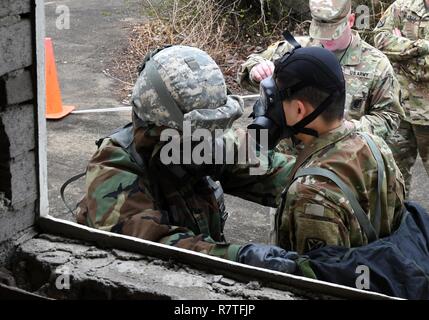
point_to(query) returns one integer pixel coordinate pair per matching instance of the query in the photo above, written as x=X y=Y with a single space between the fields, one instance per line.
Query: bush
x=229 y=30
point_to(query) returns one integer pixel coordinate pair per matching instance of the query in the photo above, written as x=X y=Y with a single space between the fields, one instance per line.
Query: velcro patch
x=314 y=209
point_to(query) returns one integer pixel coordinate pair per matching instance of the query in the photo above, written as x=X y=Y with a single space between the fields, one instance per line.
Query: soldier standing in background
x=372 y=90
x=403 y=35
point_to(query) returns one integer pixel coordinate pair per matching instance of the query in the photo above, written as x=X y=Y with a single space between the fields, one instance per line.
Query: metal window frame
x=237 y=271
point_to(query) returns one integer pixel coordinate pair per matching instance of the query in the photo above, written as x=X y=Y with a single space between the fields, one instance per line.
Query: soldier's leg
x=422 y=136
x=404 y=148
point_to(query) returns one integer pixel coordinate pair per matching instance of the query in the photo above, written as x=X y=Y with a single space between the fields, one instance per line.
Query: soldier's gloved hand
x=262 y=71
x=269 y=257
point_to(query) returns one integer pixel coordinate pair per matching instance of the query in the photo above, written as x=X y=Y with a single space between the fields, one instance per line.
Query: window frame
x=237 y=271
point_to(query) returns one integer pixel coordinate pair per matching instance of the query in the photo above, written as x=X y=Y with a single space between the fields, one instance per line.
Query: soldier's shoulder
x=110 y=154
x=371 y=56
x=382 y=146
x=404 y=4
x=343 y=154
x=304 y=41
x=307 y=41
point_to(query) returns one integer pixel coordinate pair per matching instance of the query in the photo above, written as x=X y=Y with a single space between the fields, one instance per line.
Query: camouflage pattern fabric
x=153 y=204
x=372 y=90
x=409 y=141
x=316 y=212
x=329 y=18
x=220 y=118
x=409 y=54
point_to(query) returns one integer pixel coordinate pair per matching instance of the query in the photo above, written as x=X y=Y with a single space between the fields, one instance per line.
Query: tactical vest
x=124 y=137
x=199 y=222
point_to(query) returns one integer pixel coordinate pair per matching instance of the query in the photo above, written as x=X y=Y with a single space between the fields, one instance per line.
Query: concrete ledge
x=300 y=286
x=92 y=273
x=12 y=293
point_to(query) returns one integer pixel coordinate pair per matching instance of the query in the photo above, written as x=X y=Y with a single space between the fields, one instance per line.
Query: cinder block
x=9 y=20
x=15 y=46
x=24 y=179
x=11 y=7
x=16 y=87
x=17 y=220
x=18 y=123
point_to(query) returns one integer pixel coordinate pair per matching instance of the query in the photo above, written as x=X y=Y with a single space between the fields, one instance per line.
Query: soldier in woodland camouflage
x=176 y=205
x=403 y=35
x=372 y=97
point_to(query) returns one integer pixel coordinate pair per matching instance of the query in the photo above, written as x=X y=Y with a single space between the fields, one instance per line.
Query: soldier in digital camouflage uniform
x=177 y=204
x=315 y=212
x=403 y=35
x=372 y=100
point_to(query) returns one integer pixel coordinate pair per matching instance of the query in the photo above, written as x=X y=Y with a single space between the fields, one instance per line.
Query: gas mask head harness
x=300 y=68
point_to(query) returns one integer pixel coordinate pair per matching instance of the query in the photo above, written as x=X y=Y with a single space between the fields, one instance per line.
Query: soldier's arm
x=118 y=199
x=384 y=110
x=260 y=180
x=396 y=47
x=316 y=215
x=272 y=53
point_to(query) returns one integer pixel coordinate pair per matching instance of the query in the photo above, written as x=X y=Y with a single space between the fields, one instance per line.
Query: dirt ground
x=98 y=30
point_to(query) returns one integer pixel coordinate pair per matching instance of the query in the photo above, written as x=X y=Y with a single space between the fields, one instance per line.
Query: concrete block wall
x=18 y=173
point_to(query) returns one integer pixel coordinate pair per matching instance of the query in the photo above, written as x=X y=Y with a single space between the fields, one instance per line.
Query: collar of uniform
x=419 y=7
x=329 y=138
x=353 y=55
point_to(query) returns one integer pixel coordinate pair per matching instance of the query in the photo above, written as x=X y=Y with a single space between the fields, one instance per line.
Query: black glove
x=269 y=257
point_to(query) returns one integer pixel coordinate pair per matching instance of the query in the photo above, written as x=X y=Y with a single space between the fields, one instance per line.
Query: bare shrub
x=215 y=26
x=229 y=30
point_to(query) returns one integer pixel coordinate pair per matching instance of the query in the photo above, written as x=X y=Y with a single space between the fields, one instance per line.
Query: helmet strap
x=164 y=95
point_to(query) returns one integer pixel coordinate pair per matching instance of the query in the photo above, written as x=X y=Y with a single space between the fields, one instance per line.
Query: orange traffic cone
x=54 y=105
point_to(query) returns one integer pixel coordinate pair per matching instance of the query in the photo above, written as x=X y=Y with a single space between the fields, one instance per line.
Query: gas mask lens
x=267 y=112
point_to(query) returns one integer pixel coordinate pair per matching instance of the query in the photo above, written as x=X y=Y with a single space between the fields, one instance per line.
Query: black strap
x=360 y=214
x=65 y=185
x=300 y=126
x=291 y=39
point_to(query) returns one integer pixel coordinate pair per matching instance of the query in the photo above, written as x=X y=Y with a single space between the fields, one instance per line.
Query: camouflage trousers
x=409 y=141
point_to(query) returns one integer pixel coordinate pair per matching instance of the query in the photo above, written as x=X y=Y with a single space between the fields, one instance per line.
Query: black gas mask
x=297 y=69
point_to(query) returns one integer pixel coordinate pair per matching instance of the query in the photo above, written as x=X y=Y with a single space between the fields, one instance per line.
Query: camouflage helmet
x=181 y=83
